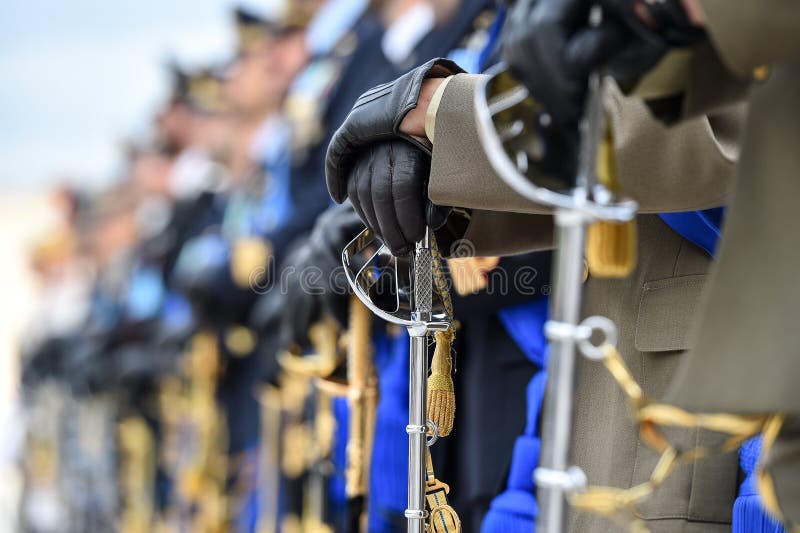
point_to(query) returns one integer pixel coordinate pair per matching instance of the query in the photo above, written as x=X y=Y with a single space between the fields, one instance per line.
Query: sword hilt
x=423 y=277
x=422 y=283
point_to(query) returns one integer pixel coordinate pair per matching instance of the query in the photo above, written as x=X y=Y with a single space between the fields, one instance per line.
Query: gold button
x=240 y=341
x=761 y=73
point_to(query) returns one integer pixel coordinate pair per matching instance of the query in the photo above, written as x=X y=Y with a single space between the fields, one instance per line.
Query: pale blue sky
x=78 y=76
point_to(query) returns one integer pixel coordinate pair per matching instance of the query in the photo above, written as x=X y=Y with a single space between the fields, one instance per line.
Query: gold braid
x=442 y=518
x=611 y=252
x=620 y=504
x=441 y=392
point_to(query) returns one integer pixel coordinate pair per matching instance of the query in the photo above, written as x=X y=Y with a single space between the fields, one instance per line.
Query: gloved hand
x=653 y=27
x=315 y=281
x=552 y=48
x=385 y=172
x=663 y=22
x=388 y=187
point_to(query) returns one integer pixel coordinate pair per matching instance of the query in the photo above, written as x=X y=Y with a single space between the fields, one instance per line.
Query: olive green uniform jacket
x=746 y=356
x=687 y=168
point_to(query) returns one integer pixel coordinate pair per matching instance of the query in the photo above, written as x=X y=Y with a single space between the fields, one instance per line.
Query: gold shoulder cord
x=619 y=505
x=304 y=441
x=203 y=469
x=442 y=518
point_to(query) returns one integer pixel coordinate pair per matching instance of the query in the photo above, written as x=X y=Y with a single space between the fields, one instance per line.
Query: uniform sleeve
x=502 y=233
x=433 y=109
x=461 y=175
x=687 y=167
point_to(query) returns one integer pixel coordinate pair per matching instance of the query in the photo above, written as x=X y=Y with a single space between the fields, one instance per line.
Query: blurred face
x=258 y=81
x=174 y=126
x=64 y=203
x=114 y=233
x=289 y=55
x=247 y=78
x=444 y=9
x=215 y=134
x=150 y=173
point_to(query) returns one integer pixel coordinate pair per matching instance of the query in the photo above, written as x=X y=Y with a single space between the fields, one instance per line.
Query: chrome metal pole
x=418 y=390
x=417 y=429
x=553 y=477
x=557 y=416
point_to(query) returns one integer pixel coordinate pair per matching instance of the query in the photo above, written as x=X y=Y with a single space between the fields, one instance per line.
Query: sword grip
x=423 y=277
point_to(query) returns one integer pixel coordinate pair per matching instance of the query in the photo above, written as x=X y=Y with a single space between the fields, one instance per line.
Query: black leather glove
x=315 y=281
x=551 y=47
x=388 y=187
x=382 y=171
x=646 y=43
x=669 y=24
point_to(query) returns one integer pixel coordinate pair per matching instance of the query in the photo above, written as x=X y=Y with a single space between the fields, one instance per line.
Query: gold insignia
x=297 y=445
x=299 y=13
x=250 y=35
x=249 y=259
x=303 y=113
x=251 y=32
x=761 y=73
x=240 y=341
x=205 y=91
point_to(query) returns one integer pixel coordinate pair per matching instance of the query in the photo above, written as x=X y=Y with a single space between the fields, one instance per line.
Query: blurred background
x=80 y=79
x=81 y=76
x=161 y=165
x=82 y=83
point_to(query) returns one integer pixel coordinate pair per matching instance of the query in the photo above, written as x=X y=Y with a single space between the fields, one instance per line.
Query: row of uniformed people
x=198 y=316
x=409 y=150
x=170 y=255
x=180 y=330
x=474 y=459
